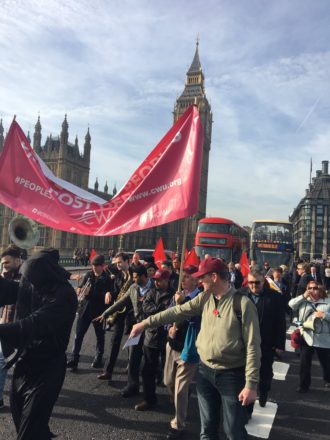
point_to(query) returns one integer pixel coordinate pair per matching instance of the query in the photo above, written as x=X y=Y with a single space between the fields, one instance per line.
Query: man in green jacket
x=229 y=350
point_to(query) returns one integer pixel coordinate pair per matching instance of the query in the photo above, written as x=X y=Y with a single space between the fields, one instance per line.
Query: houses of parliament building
x=66 y=161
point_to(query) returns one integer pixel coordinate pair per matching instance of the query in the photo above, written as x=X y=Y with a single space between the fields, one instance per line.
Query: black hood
x=42 y=269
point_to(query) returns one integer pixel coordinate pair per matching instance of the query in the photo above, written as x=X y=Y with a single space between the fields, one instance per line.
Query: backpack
x=237 y=304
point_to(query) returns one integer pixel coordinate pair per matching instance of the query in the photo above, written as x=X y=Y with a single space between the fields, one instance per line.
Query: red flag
x=159 y=253
x=192 y=259
x=92 y=255
x=245 y=268
x=186 y=253
x=244 y=263
x=164 y=188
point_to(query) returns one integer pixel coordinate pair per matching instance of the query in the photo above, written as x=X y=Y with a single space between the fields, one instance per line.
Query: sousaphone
x=23 y=232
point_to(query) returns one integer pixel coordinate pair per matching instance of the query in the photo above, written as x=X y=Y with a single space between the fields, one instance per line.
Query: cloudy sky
x=117 y=66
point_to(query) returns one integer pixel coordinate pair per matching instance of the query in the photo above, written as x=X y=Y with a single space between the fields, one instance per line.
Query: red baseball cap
x=161 y=275
x=210 y=265
x=189 y=270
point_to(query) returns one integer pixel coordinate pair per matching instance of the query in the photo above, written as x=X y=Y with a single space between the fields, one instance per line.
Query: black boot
x=97 y=362
x=263 y=396
x=73 y=363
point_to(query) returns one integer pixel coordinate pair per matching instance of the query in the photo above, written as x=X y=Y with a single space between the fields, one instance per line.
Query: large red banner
x=165 y=187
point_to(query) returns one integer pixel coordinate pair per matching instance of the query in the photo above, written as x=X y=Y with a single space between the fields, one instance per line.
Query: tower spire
x=196 y=66
x=87 y=146
x=37 y=136
x=64 y=136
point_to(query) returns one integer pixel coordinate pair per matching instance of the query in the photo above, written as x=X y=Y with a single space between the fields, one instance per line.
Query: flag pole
x=184 y=245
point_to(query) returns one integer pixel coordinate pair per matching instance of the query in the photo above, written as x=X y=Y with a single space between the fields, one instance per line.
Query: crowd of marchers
x=210 y=327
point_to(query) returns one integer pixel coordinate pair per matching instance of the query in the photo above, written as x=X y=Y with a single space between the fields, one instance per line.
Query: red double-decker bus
x=221 y=238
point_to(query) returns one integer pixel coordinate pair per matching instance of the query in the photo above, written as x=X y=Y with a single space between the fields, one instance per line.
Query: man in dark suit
x=236 y=277
x=315 y=274
x=271 y=315
x=305 y=278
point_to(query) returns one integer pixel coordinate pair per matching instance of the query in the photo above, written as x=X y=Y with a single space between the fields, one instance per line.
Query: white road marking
x=262 y=420
x=280 y=370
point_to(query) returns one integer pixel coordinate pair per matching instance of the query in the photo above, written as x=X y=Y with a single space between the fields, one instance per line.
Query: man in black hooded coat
x=45 y=310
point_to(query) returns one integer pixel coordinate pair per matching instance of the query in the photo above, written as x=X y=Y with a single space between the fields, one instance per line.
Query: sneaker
x=144 y=406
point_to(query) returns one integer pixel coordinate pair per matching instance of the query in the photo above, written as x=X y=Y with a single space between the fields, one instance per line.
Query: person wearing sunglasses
x=271 y=313
x=313 y=303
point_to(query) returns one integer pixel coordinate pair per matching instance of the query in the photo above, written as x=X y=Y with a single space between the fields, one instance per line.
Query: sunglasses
x=257 y=283
x=313 y=288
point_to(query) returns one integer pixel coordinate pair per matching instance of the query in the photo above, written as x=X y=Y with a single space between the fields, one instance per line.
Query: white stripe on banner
x=262 y=420
x=280 y=370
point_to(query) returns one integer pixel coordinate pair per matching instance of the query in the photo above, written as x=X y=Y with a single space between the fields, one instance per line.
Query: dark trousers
x=266 y=370
x=134 y=362
x=83 y=324
x=216 y=389
x=265 y=375
x=306 y=356
x=35 y=389
x=150 y=365
x=117 y=332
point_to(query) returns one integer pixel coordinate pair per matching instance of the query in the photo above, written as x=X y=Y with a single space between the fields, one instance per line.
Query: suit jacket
x=317 y=278
x=271 y=315
x=302 y=285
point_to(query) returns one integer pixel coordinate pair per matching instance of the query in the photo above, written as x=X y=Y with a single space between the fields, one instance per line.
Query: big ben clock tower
x=193 y=93
x=172 y=233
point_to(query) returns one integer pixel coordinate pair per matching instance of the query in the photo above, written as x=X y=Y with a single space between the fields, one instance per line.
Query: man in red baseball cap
x=229 y=350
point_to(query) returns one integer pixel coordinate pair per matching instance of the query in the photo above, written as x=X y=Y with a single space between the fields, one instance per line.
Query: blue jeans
x=3 y=373
x=216 y=389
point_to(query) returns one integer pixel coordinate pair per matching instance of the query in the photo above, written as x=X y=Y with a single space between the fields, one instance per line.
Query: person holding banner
x=46 y=306
x=229 y=350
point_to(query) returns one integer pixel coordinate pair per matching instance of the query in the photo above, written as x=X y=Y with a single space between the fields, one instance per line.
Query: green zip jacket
x=223 y=342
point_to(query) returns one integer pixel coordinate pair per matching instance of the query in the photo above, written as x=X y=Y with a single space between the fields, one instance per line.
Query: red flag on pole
x=164 y=187
x=192 y=259
x=159 y=253
x=92 y=255
x=245 y=268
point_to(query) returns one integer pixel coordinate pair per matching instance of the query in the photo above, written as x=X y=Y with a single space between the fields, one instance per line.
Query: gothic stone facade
x=65 y=161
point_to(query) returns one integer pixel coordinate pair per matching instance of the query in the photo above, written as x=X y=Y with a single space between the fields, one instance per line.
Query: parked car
x=146 y=254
